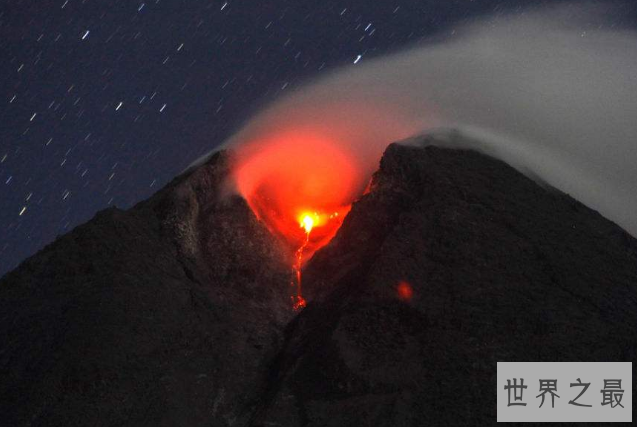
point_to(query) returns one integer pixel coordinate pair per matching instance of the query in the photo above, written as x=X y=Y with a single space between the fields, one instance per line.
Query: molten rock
x=177 y=311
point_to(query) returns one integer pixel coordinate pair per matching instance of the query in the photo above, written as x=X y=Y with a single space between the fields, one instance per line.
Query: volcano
x=177 y=311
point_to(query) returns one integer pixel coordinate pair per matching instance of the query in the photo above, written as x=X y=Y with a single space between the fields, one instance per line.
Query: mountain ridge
x=177 y=311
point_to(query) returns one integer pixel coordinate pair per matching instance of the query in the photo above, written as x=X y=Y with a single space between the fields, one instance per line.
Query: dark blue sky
x=103 y=102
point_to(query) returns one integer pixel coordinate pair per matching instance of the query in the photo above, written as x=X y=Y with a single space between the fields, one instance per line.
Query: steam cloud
x=552 y=92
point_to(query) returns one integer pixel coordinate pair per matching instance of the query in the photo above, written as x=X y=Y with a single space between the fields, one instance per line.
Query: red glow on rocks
x=315 y=151
x=301 y=185
x=298 y=302
x=405 y=291
x=295 y=174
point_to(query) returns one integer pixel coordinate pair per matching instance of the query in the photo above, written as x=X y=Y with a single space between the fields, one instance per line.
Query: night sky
x=103 y=102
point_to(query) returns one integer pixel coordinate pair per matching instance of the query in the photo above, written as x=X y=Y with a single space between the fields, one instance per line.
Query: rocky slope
x=167 y=314
x=176 y=312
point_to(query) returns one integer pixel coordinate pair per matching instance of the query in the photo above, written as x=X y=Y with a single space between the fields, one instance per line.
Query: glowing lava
x=294 y=175
x=301 y=185
x=307 y=222
x=405 y=291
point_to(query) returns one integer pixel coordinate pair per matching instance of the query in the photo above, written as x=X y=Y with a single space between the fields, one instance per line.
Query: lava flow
x=307 y=222
x=301 y=186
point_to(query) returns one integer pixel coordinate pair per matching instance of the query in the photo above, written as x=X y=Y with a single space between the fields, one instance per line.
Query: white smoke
x=552 y=92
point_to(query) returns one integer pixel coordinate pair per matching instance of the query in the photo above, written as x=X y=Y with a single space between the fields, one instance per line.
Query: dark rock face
x=501 y=270
x=168 y=314
x=177 y=311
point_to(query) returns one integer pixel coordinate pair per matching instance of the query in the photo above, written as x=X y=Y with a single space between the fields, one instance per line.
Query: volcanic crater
x=178 y=311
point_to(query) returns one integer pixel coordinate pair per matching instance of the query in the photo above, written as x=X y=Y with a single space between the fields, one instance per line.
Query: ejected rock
x=166 y=314
x=499 y=268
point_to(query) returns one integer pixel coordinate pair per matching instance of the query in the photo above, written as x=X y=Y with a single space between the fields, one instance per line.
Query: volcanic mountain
x=177 y=311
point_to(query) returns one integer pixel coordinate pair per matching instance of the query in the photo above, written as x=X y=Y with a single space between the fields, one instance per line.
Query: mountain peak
x=177 y=311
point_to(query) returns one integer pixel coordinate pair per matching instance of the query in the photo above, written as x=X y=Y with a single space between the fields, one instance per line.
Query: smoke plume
x=552 y=92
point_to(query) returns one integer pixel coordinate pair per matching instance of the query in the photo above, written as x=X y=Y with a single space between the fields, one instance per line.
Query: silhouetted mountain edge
x=177 y=311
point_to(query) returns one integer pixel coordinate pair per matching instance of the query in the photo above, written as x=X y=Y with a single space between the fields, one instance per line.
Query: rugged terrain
x=177 y=311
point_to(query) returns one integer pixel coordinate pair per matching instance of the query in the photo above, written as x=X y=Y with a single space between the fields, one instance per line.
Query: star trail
x=103 y=102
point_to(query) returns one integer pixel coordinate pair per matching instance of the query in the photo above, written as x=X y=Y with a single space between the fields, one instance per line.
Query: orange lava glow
x=405 y=291
x=297 y=182
x=301 y=185
x=307 y=223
